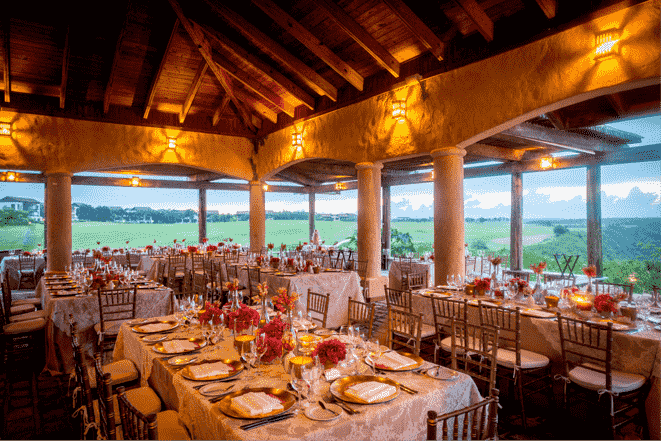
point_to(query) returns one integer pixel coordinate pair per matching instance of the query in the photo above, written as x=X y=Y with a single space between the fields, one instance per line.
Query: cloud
x=557 y=194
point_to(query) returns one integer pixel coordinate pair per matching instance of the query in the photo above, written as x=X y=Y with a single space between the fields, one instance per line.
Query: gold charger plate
x=339 y=386
x=332 y=270
x=538 y=313
x=65 y=293
x=137 y=327
x=199 y=342
x=286 y=398
x=418 y=362
x=617 y=326
x=235 y=365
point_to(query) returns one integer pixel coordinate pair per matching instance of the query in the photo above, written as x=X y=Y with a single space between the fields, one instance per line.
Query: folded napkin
x=393 y=360
x=175 y=346
x=302 y=323
x=256 y=403
x=371 y=391
x=346 y=339
x=155 y=327
x=209 y=370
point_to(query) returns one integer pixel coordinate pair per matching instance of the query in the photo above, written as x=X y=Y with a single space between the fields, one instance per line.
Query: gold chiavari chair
x=404 y=329
x=474 y=349
x=318 y=303
x=141 y=425
x=27 y=268
x=478 y=421
x=362 y=315
x=413 y=281
x=444 y=311
x=115 y=307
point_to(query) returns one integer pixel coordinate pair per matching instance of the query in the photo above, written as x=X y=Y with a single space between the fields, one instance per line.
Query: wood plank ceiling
x=250 y=68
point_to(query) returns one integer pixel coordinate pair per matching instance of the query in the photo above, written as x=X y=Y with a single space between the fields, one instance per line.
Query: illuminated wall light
x=265 y=187
x=606 y=45
x=340 y=186
x=297 y=141
x=135 y=181
x=546 y=163
x=5 y=129
x=399 y=110
x=172 y=143
x=10 y=176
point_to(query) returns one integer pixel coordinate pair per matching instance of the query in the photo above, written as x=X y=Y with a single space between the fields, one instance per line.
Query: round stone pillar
x=369 y=216
x=257 y=217
x=448 y=213
x=58 y=217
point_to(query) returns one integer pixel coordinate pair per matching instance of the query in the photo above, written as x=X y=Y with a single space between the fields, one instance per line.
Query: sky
x=629 y=190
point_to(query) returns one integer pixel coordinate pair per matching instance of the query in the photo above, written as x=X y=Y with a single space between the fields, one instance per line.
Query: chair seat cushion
x=121 y=372
x=27 y=316
x=446 y=344
x=143 y=398
x=169 y=426
x=589 y=379
x=25 y=326
x=21 y=309
x=529 y=360
x=36 y=301
x=111 y=327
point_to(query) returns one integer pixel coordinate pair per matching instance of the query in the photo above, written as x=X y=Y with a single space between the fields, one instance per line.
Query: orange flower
x=590 y=271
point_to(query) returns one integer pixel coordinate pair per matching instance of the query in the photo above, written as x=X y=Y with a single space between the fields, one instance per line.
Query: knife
x=405 y=388
x=268 y=420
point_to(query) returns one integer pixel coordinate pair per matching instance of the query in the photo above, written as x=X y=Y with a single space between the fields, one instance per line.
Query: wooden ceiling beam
x=219 y=110
x=206 y=177
x=257 y=105
x=204 y=48
x=495 y=152
x=618 y=105
x=306 y=37
x=65 y=70
x=556 y=119
x=275 y=76
x=6 y=56
x=192 y=91
x=417 y=27
x=549 y=7
x=360 y=36
x=297 y=177
x=33 y=88
x=555 y=138
x=159 y=72
x=311 y=78
x=479 y=17
x=115 y=60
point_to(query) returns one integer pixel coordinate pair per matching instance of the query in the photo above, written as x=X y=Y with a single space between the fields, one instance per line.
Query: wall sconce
x=399 y=110
x=606 y=45
x=172 y=143
x=5 y=129
x=135 y=181
x=546 y=163
x=340 y=186
x=265 y=187
x=10 y=176
x=297 y=141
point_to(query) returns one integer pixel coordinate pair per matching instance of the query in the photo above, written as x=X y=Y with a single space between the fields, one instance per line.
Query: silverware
x=217 y=398
x=348 y=409
x=268 y=420
x=323 y=406
x=200 y=386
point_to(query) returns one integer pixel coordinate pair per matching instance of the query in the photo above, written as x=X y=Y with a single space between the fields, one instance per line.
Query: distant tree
x=559 y=230
x=400 y=243
x=481 y=219
x=9 y=216
x=479 y=244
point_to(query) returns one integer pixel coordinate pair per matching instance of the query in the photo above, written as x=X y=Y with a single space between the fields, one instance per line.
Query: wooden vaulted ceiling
x=248 y=68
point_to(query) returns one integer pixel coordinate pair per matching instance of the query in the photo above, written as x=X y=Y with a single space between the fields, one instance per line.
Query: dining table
x=152 y=264
x=398 y=268
x=84 y=306
x=403 y=417
x=635 y=350
x=9 y=268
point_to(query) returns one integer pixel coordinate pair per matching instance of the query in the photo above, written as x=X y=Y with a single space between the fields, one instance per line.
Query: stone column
x=202 y=214
x=311 y=211
x=516 y=222
x=385 y=232
x=257 y=217
x=594 y=217
x=369 y=224
x=58 y=216
x=448 y=213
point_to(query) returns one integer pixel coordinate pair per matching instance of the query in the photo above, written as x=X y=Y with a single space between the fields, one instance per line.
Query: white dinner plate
x=316 y=413
x=442 y=373
x=151 y=339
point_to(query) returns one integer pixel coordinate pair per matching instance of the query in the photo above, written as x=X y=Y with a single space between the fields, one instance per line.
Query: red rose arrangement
x=212 y=313
x=106 y=259
x=229 y=239
x=115 y=251
x=97 y=254
x=232 y=286
x=192 y=249
x=290 y=261
x=242 y=318
x=98 y=243
x=105 y=249
x=308 y=265
x=149 y=247
x=26 y=253
x=299 y=248
x=212 y=248
x=431 y=257
x=275 y=261
x=87 y=251
x=605 y=303
x=273 y=347
x=498 y=293
x=590 y=271
x=496 y=260
x=259 y=260
x=284 y=301
x=275 y=328
x=175 y=241
x=520 y=282
x=567 y=292
x=283 y=247
x=182 y=252
x=270 y=246
x=305 y=243
x=236 y=246
x=205 y=240
x=539 y=268
x=330 y=351
x=482 y=284
x=221 y=244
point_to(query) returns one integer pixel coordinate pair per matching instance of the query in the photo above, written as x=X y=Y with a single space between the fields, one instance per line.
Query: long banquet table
x=402 y=418
x=85 y=309
x=152 y=265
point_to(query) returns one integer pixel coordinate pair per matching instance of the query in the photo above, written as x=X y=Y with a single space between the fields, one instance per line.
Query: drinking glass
x=459 y=281
x=300 y=385
x=375 y=353
x=644 y=301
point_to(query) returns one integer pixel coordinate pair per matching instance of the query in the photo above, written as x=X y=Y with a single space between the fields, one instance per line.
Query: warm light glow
x=10 y=176
x=135 y=181
x=5 y=129
x=546 y=163
x=265 y=187
x=633 y=279
x=340 y=186
x=606 y=45
x=172 y=143
x=399 y=110
x=297 y=141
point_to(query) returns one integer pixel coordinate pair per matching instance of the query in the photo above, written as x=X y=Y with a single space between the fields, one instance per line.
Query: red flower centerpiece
x=98 y=243
x=330 y=351
x=590 y=271
x=283 y=247
x=105 y=249
x=270 y=246
x=149 y=247
x=205 y=240
x=192 y=249
x=229 y=239
x=221 y=244
x=290 y=262
x=26 y=253
x=243 y=318
x=236 y=246
x=539 y=268
x=284 y=302
x=481 y=285
x=212 y=248
x=605 y=304
x=520 y=283
x=275 y=262
x=213 y=313
x=175 y=241
x=233 y=285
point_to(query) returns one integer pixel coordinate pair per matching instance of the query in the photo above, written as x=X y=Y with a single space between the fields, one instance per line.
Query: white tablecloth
x=9 y=268
x=396 y=271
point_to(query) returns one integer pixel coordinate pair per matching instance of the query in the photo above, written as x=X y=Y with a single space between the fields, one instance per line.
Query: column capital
x=448 y=151
x=57 y=173
x=256 y=183
x=366 y=165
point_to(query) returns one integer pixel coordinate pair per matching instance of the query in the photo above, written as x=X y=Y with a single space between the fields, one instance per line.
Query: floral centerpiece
x=520 y=283
x=330 y=351
x=270 y=246
x=105 y=248
x=232 y=285
x=221 y=244
x=606 y=304
x=213 y=313
x=290 y=262
x=236 y=246
x=283 y=247
x=192 y=249
x=284 y=302
x=481 y=285
x=229 y=239
x=590 y=271
x=149 y=247
x=275 y=262
x=495 y=260
x=299 y=248
x=271 y=340
x=308 y=265
x=26 y=253
x=242 y=318
x=205 y=240
x=212 y=248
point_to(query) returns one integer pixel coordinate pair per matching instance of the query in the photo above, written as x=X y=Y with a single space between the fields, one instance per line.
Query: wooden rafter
x=220 y=109
x=549 y=7
x=159 y=72
x=266 y=70
x=115 y=60
x=360 y=36
x=7 y=57
x=478 y=16
x=556 y=120
x=311 y=42
x=313 y=80
x=192 y=91
x=204 y=48
x=420 y=30
x=65 y=70
x=257 y=105
x=555 y=138
x=618 y=105
x=297 y=177
x=330 y=169
x=495 y=152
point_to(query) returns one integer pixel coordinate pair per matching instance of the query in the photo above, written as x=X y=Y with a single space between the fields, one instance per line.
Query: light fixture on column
x=265 y=187
x=297 y=141
x=340 y=186
x=135 y=181
x=172 y=143
x=10 y=176
x=606 y=45
x=5 y=129
x=547 y=163
x=399 y=110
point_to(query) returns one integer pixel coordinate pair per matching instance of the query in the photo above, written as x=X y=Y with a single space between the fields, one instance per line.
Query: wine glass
x=375 y=353
x=309 y=324
x=459 y=281
x=298 y=383
x=644 y=302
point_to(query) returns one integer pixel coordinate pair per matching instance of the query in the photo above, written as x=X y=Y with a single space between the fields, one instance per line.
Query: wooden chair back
x=83 y=395
x=360 y=266
x=398 y=299
x=509 y=274
x=135 y=425
x=254 y=279
x=78 y=258
x=362 y=313
x=132 y=260
x=407 y=327
x=197 y=262
x=232 y=256
x=405 y=264
x=601 y=287
x=27 y=263
x=444 y=311
x=478 y=421
x=470 y=264
x=318 y=303
x=105 y=402
x=566 y=279
x=232 y=271
x=177 y=270
x=115 y=304
x=411 y=281
x=509 y=322
x=212 y=278
x=6 y=300
x=473 y=351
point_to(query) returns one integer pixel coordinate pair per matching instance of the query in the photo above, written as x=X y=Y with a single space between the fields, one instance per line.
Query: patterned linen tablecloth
x=85 y=310
x=397 y=270
x=151 y=265
x=9 y=268
x=402 y=418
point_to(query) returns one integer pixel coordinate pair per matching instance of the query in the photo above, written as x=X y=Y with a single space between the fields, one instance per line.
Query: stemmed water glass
x=301 y=385
x=375 y=353
x=644 y=301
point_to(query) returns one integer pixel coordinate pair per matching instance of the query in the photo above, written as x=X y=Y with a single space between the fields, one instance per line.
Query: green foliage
x=400 y=243
x=9 y=216
x=478 y=245
x=559 y=230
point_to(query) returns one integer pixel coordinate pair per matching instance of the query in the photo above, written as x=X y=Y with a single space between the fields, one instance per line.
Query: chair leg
x=35 y=404
x=519 y=383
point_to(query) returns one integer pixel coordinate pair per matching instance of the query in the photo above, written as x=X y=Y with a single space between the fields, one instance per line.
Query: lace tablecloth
x=402 y=418
x=152 y=265
x=85 y=310
x=9 y=268
x=397 y=267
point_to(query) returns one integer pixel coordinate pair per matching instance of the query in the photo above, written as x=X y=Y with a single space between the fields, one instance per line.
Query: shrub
x=559 y=230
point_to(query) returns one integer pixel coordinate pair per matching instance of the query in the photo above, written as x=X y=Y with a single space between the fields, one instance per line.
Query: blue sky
x=630 y=190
